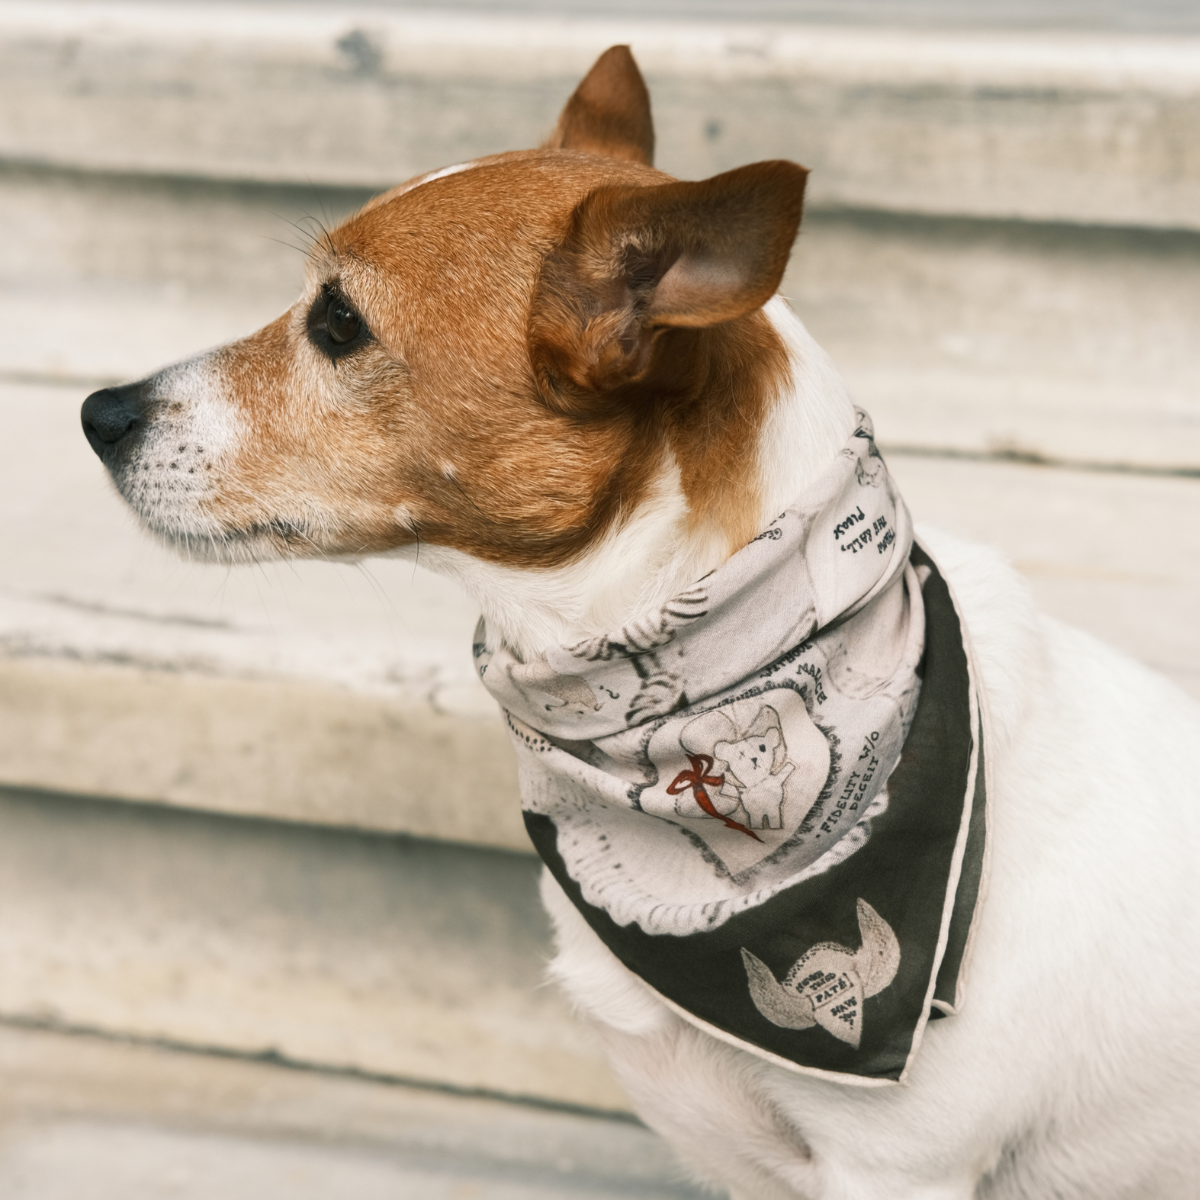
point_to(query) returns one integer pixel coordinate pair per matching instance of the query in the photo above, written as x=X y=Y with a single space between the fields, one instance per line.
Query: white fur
x=1073 y=1070
x=440 y=173
x=809 y=423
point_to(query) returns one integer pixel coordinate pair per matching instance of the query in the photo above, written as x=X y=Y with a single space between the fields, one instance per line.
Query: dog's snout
x=111 y=414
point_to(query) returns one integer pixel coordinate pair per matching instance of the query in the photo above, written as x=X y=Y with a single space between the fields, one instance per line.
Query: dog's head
x=497 y=357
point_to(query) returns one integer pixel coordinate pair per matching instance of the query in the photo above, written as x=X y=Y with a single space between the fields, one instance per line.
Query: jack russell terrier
x=877 y=884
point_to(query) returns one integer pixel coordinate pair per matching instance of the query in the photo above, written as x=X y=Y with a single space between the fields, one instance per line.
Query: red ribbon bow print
x=698 y=780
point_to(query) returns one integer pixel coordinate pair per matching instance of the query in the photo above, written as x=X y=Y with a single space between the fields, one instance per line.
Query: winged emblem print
x=828 y=984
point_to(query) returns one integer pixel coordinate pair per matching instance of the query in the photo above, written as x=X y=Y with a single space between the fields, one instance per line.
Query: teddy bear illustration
x=649 y=632
x=541 y=684
x=758 y=766
x=865 y=652
x=868 y=471
x=752 y=761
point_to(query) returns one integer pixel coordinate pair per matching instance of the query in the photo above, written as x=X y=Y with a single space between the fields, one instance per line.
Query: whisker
x=285 y=242
x=464 y=495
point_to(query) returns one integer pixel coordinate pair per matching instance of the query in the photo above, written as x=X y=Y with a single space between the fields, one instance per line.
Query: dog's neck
x=657 y=551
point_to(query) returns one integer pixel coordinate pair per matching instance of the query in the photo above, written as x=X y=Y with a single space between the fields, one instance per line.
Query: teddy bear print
x=751 y=761
x=539 y=683
x=648 y=633
x=757 y=767
x=869 y=471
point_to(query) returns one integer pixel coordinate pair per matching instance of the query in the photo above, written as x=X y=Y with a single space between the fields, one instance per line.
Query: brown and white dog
x=568 y=380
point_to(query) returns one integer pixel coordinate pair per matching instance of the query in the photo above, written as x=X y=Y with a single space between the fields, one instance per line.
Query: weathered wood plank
x=389 y=956
x=1063 y=342
x=1117 y=555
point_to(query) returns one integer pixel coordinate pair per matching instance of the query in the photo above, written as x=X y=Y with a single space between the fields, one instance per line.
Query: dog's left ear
x=609 y=112
x=639 y=262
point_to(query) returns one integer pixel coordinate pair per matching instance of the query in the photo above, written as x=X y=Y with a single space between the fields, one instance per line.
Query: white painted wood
x=318 y=692
x=53 y=1080
x=381 y=955
x=1116 y=555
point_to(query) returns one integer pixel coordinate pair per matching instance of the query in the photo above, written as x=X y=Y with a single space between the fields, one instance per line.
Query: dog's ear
x=609 y=113
x=639 y=262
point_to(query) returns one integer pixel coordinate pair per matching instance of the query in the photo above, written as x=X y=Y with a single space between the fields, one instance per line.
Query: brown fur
x=609 y=112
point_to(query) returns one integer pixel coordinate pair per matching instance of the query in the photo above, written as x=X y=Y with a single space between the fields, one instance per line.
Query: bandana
x=767 y=797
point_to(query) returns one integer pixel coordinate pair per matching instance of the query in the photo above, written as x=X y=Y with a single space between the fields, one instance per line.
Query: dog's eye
x=342 y=322
x=334 y=324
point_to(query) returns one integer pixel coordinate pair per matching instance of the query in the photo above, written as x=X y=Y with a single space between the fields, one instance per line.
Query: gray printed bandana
x=767 y=796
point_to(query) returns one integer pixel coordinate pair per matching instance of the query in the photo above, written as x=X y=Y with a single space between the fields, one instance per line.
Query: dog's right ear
x=609 y=112
x=640 y=262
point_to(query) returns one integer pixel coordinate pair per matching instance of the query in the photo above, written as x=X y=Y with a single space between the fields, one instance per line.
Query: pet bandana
x=767 y=797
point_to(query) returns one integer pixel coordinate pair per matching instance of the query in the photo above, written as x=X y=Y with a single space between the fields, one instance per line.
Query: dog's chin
x=262 y=541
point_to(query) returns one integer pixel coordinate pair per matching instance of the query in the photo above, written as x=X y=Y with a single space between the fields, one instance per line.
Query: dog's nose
x=111 y=415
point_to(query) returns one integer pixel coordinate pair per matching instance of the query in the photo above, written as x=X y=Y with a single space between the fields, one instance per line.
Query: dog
x=568 y=380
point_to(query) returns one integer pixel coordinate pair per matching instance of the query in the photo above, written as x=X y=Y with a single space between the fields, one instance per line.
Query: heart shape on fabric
x=827 y=985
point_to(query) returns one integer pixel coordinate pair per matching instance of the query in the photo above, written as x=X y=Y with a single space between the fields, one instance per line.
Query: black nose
x=113 y=414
